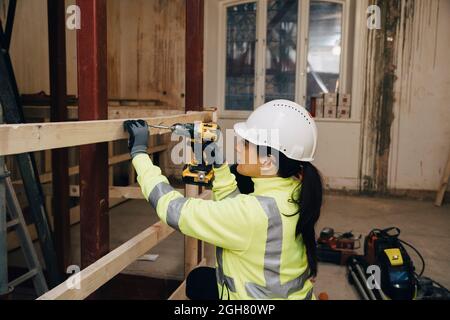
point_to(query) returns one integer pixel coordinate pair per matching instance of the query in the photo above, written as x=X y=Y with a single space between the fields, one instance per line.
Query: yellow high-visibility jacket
x=258 y=255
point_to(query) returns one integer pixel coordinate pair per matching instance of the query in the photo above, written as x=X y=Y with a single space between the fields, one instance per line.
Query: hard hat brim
x=242 y=130
x=246 y=133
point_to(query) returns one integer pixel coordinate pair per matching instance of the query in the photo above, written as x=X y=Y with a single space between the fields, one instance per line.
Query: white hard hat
x=283 y=125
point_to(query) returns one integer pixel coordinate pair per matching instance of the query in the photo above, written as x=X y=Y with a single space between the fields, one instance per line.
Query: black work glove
x=138 y=140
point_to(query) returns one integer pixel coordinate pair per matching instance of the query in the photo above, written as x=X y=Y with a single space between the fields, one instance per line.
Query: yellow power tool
x=201 y=135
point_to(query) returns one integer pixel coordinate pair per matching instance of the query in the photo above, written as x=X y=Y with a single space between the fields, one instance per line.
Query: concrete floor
x=422 y=224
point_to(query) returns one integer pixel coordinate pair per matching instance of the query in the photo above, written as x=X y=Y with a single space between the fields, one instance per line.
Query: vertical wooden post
x=191 y=245
x=111 y=168
x=92 y=91
x=3 y=232
x=194 y=101
x=444 y=184
x=59 y=164
x=209 y=250
x=194 y=54
x=49 y=197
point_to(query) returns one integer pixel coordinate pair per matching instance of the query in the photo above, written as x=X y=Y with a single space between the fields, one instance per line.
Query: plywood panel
x=146 y=50
x=29 y=46
x=146 y=41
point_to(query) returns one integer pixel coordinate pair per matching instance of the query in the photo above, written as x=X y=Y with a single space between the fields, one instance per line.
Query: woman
x=266 y=246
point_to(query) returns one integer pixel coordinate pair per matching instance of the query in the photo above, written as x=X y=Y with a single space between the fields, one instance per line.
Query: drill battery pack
x=201 y=175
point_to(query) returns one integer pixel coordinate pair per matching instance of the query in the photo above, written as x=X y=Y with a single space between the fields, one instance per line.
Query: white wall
x=421 y=129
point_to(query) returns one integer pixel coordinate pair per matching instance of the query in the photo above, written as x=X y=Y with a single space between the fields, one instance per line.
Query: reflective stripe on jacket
x=258 y=256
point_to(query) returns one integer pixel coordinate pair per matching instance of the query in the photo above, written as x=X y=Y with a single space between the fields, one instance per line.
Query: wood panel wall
x=146 y=41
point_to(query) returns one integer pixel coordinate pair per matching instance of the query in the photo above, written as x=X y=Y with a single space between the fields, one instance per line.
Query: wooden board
x=145 y=53
x=443 y=185
x=104 y=269
x=191 y=245
x=42 y=136
x=114 y=112
x=115 y=192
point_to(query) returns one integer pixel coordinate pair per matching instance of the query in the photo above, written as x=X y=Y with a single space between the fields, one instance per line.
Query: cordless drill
x=201 y=135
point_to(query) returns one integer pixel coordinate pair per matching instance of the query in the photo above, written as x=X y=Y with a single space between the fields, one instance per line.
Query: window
x=324 y=49
x=282 y=49
x=240 y=61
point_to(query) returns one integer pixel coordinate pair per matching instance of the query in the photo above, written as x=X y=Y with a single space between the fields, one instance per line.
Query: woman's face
x=249 y=162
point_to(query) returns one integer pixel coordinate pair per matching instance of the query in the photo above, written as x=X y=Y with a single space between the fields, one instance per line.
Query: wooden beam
x=194 y=54
x=104 y=269
x=191 y=245
x=111 y=168
x=114 y=112
x=126 y=192
x=20 y=138
x=60 y=157
x=115 y=192
x=444 y=184
x=140 y=112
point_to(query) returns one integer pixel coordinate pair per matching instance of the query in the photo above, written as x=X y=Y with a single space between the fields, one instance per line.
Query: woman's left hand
x=138 y=140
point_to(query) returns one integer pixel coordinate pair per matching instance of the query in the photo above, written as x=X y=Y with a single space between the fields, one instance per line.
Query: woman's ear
x=269 y=165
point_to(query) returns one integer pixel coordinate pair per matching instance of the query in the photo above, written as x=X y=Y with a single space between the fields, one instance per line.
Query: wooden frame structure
x=46 y=136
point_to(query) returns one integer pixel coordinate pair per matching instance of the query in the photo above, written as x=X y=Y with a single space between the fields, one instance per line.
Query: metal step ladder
x=17 y=223
x=12 y=114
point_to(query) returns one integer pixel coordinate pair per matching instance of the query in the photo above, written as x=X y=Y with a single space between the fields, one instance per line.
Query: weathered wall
x=406 y=123
x=145 y=49
x=421 y=128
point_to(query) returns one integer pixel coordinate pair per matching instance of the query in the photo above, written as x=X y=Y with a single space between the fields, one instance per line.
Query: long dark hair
x=308 y=197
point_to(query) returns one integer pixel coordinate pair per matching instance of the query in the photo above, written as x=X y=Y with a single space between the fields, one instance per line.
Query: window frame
x=260 y=53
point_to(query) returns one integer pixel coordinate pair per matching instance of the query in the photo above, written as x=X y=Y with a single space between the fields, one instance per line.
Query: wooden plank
x=20 y=138
x=191 y=245
x=180 y=292
x=115 y=192
x=443 y=185
x=58 y=89
x=146 y=53
x=104 y=269
x=126 y=192
x=209 y=250
x=141 y=112
x=111 y=168
x=114 y=112
x=194 y=54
